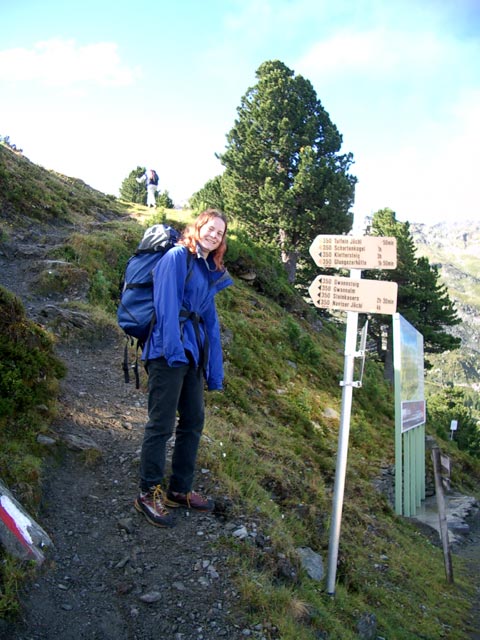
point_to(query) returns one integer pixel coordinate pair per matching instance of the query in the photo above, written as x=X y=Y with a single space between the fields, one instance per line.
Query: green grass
x=272 y=447
x=29 y=375
x=13 y=574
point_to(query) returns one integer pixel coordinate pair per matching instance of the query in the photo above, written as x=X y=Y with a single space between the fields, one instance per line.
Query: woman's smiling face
x=211 y=235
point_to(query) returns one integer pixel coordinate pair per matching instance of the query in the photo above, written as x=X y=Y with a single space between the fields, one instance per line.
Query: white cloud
x=409 y=103
x=429 y=179
x=64 y=63
x=373 y=51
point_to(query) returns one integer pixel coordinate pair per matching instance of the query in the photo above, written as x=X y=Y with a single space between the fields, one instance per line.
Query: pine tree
x=285 y=178
x=450 y=404
x=164 y=200
x=422 y=299
x=210 y=195
x=131 y=190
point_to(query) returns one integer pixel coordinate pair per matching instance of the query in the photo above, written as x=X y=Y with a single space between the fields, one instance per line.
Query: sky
x=93 y=89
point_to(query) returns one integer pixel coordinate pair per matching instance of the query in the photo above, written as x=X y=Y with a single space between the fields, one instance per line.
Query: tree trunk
x=289 y=258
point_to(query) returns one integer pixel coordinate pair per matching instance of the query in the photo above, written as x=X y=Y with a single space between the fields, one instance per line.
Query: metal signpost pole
x=354 y=296
x=342 y=453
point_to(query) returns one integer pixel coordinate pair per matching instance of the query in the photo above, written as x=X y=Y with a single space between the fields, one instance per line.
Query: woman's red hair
x=191 y=235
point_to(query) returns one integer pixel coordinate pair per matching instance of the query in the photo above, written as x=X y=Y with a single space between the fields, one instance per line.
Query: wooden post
x=442 y=513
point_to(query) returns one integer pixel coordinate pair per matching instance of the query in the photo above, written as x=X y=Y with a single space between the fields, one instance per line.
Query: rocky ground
x=110 y=575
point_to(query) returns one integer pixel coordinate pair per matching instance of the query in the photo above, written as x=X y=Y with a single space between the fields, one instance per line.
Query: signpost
x=354 y=252
x=453 y=428
x=354 y=296
x=348 y=294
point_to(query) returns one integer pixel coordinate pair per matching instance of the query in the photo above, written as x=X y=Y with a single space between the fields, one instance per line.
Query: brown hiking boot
x=151 y=504
x=190 y=500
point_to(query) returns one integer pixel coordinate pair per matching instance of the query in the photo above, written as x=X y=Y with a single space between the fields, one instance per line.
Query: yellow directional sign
x=354 y=252
x=349 y=294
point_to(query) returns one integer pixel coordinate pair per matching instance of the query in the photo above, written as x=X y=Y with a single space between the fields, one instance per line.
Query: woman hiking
x=184 y=351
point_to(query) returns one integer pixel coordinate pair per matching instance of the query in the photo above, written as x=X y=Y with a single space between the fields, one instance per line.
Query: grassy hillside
x=28 y=192
x=271 y=438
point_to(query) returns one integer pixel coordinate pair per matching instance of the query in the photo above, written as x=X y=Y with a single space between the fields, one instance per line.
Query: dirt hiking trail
x=110 y=574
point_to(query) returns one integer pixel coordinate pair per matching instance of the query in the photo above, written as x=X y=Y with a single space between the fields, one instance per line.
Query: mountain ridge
x=455 y=249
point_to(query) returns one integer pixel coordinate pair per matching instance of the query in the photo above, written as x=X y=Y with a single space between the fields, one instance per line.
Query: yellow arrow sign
x=349 y=294
x=354 y=252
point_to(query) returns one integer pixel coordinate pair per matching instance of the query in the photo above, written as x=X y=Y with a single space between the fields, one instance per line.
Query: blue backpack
x=135 y=313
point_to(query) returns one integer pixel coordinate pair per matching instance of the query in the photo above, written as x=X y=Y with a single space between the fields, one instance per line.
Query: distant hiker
x=150 y=177
x=184 y=350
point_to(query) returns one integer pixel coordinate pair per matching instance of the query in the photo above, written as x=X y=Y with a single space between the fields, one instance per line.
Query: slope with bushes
x=270 y=444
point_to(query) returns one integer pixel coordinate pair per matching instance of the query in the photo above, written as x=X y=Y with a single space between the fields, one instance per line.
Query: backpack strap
x=196 y=319
x=126 y=374
x=130 y=342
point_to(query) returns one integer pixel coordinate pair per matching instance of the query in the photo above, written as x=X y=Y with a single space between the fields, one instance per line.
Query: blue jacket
x=172 y=337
